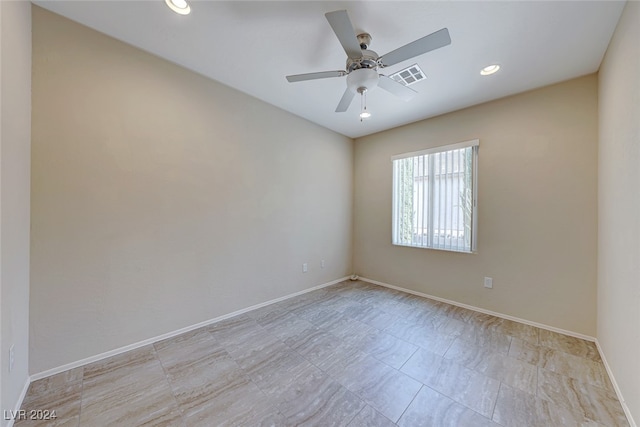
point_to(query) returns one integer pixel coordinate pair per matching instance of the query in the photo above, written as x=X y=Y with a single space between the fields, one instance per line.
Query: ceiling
x=252 y=46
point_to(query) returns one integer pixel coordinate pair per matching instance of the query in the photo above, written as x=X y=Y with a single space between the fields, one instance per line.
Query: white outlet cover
x=488 y=282
x=304 y=268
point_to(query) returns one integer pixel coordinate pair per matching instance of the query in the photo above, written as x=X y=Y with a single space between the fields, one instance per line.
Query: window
x=434 y=197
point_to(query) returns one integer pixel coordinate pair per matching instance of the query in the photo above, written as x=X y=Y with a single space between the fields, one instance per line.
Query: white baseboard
x=172 y=334
x=526 y=322
x=482 y=310
x=625 y=408
x=23 y=393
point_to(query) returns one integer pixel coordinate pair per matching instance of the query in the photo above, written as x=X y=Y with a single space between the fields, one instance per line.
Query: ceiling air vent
x=409 y=75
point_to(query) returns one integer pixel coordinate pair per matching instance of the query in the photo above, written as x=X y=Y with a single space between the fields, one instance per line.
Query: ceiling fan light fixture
x=489 y=69
x=362 y=78
x=181 y=7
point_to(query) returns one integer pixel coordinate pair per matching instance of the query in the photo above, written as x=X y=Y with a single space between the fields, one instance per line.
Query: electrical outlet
x=305 y=268
x=488 y=282
x=12 y=357
x=322 y=264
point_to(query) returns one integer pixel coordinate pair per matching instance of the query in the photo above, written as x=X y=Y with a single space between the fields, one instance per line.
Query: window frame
x=474 y=144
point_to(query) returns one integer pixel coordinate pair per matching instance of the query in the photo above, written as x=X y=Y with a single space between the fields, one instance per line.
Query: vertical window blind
x=435 y=197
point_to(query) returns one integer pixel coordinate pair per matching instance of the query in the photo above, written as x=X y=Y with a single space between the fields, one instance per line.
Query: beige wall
x=536 y=209
x=162 y=199
x=619 y=207
x=15 y=130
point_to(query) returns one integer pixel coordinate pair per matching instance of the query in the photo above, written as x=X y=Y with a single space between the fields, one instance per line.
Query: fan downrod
x=364 y=40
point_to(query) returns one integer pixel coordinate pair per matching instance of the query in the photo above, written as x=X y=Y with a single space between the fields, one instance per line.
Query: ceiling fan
x=363 y=64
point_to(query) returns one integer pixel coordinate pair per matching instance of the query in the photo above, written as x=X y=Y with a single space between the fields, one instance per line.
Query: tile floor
x=353 y=354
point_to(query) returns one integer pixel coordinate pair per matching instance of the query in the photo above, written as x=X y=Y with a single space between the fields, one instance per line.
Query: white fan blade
x=313 y=76
x=344 y=103
x=395 y=88
x=426 y=44
x=339 y=21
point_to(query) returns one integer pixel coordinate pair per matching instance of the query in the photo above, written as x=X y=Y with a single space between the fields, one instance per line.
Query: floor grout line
x=168 y=380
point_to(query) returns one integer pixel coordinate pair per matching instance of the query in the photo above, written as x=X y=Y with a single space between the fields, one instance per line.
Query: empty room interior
x=363 y=213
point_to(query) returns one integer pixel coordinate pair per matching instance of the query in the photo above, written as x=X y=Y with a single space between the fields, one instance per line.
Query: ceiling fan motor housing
x=369 y=59
x=366 y=78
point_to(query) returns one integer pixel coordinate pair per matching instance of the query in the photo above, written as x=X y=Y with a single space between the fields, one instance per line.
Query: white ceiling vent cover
x=408 y=76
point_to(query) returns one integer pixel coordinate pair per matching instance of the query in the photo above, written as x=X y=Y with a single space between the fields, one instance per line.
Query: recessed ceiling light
x=179 y=6
x=489 y=69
